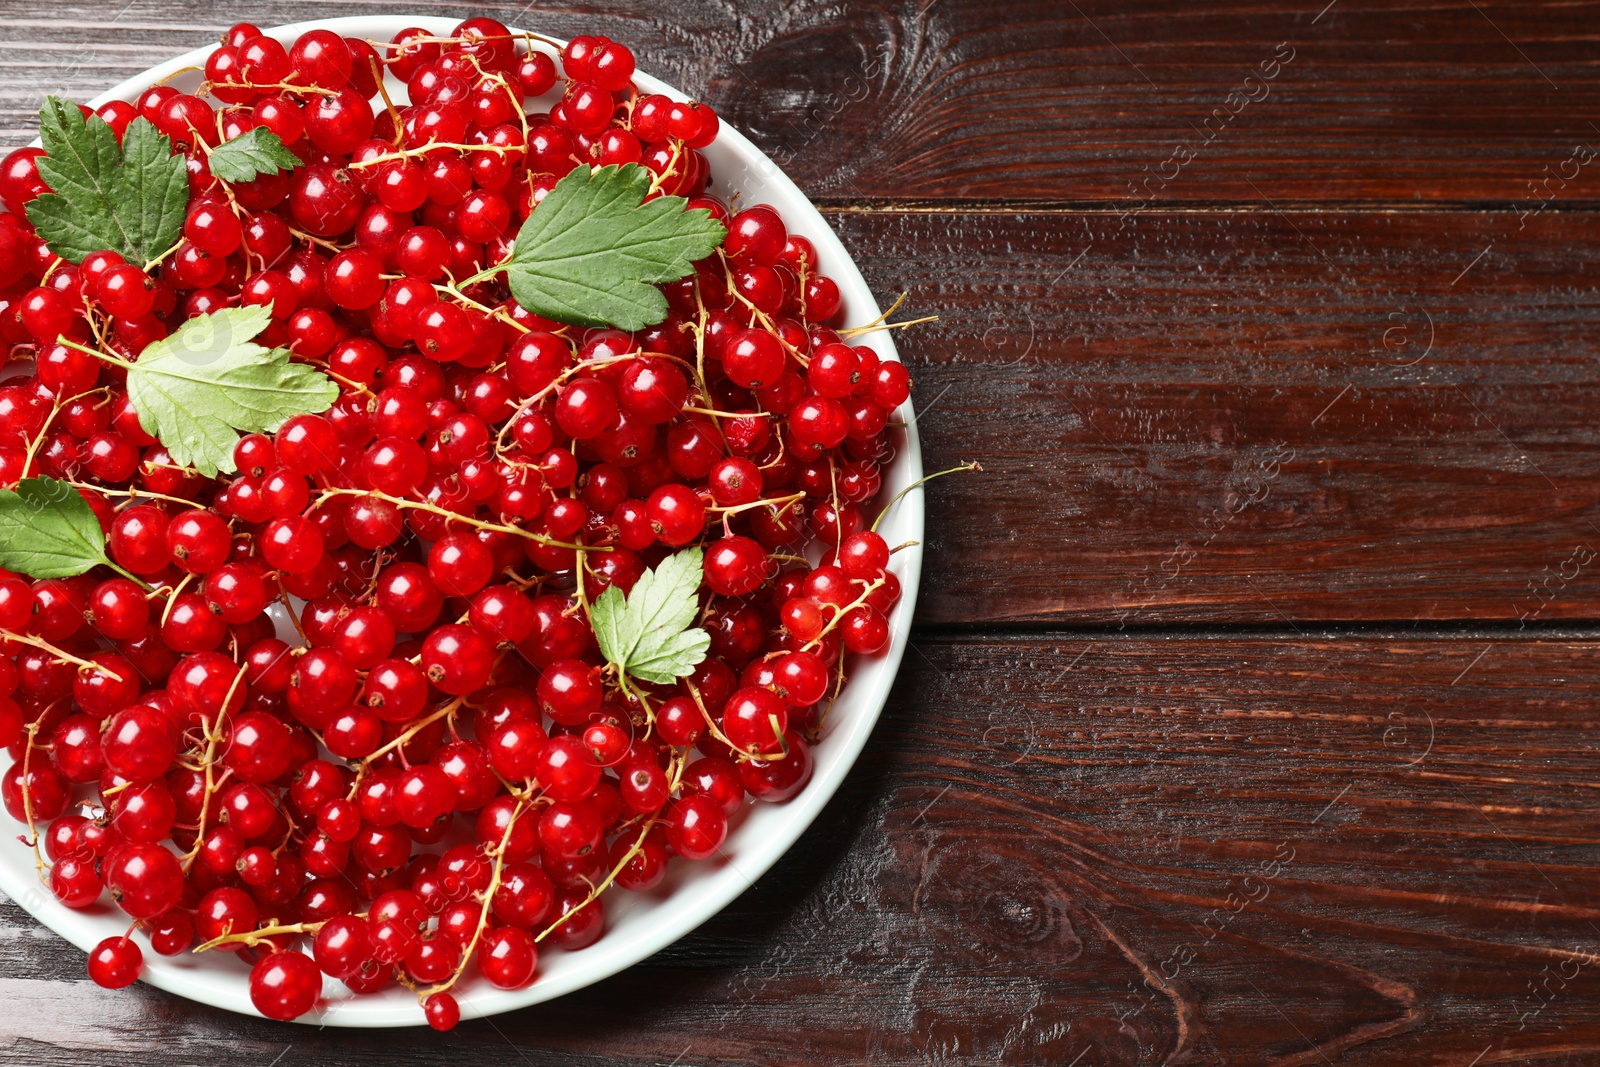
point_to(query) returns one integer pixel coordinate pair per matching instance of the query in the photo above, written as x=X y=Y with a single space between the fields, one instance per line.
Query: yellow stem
x=498 y=852
x=434 y=146
x=901 y=299
x=133 y=493
x=417 y=505
x=973 y=466
x=212 y=735
x=27 y=793
x=172 y=598
x=860 y=330
x=443 y=710
x=394 y=112
x=257 y=936
x=284 y=87
x=63 y=656
x=633 y=851
x=842 y=612
x=764 y=501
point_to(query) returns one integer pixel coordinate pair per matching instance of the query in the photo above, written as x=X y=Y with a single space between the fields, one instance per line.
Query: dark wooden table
x=1254 y=701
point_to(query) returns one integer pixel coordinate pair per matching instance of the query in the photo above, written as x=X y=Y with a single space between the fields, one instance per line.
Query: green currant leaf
x=47 y=530
x=250 y=155
x=593 y=251
x=155 y=185
x=129 y=199
x=647 y=633
x=197 y=390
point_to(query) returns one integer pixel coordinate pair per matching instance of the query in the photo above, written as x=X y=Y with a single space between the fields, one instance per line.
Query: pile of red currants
x=439 y=772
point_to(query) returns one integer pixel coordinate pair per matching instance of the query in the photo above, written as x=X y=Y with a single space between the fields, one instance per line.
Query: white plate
x=637 y=925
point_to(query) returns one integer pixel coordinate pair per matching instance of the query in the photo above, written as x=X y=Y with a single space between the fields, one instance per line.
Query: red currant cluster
x=442 y=768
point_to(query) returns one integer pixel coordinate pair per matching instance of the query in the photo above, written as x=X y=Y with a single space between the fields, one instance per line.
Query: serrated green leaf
x=81 y=162
x=250 y=155
x=647 y=633
x=671 y=658
x=605 y=617
x=128 y=199
x=47 y=530
x=199 y=389
x=156 y=185
x=593 y=251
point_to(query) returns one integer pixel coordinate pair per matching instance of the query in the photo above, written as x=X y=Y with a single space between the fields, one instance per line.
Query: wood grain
x=1248 y=416
x=1090 y=101
x=1334 y=371
x=1160 y=362
x=1211 y=850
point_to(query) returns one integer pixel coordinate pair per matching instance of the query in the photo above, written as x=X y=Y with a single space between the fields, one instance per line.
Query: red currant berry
x=198 y=541
x=342 y=945
x=507 y=957
x=144 y=879
x=115 y=962
x=567 y=769
x=677 y=514
x=285 y=985
x=460 y=565
x=735 y=566
x=441 y=1009
x=457 y=659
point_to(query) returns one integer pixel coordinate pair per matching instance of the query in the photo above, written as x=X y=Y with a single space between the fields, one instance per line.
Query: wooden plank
x=1185 y=356
x=1264 y=850
x=1078 y=102
x=1239 y=416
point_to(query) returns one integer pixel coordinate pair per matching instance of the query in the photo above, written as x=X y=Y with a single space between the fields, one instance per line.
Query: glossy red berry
x=735 y=566
x=75 y=883
x=423 y=794
x=514 y=748
x=307 y=444
x=198 y=541
x=172 y=934
x=652 y=390
x=459 y=565
x=442 y=1011
x=696 y=826
x=115 y=962
x=293 y=544
x=570 y=691
x=285 y=985
x=225 y=911
x=567 y=769
x=125 y=292
x=258 y=747
x=457 y=659
x=144 y=879
x=139 y=743
x=585 y=408
x=342 y=945
x=753 y=359
x=507 y=957
x=676 y=514
x=755 y=719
